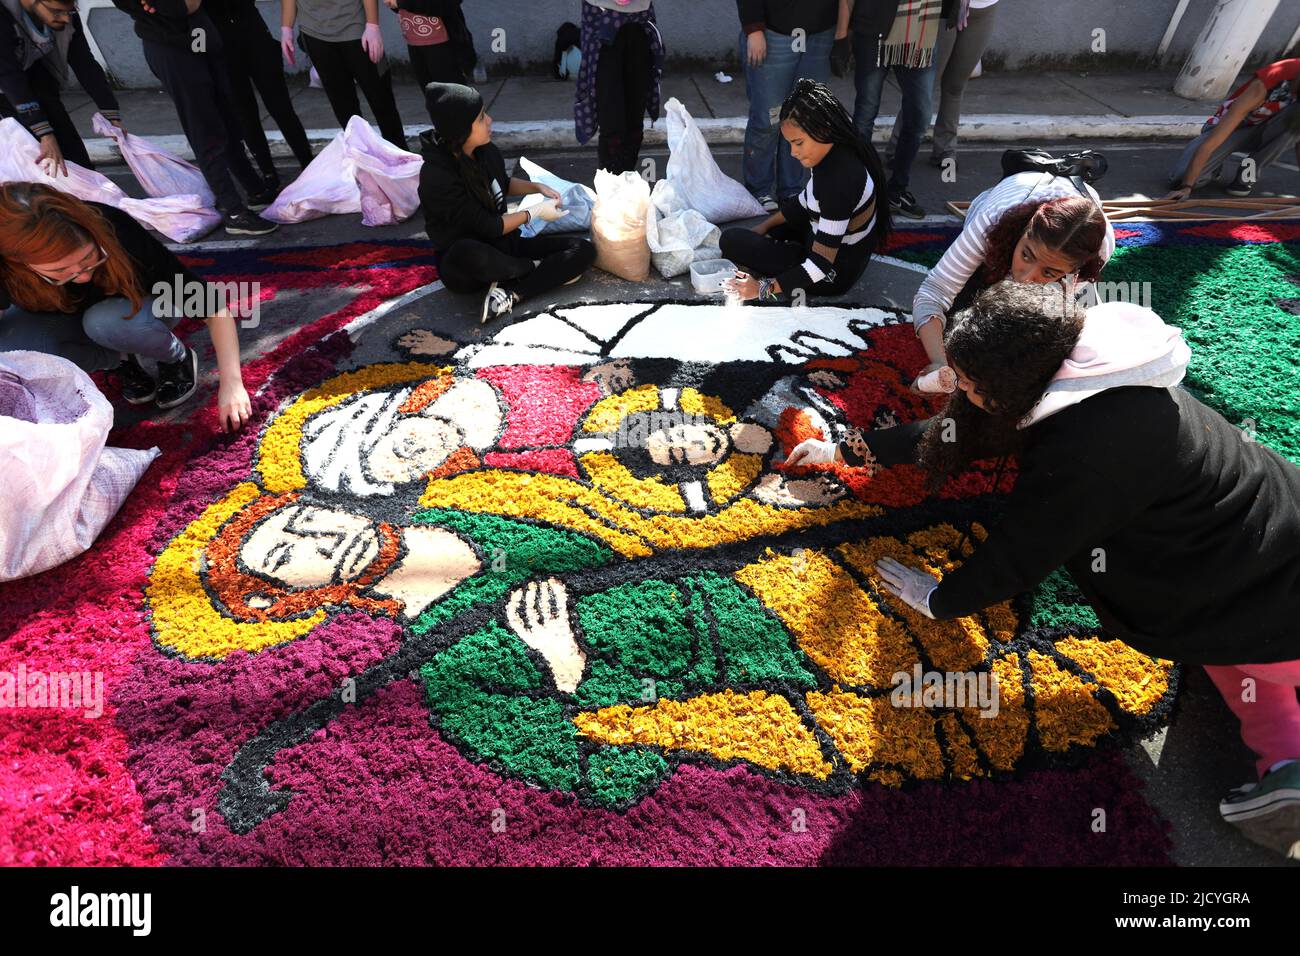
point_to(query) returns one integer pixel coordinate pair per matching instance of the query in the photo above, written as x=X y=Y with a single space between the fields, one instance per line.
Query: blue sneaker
x=1268 y=812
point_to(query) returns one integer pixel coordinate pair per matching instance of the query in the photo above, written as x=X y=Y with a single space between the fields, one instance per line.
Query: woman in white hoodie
x=1184 y=537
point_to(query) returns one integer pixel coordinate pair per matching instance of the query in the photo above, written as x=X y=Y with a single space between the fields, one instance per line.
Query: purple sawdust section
x=380 y=786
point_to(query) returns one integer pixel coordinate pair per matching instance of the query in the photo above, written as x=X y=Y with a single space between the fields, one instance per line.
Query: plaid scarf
x=912 y=38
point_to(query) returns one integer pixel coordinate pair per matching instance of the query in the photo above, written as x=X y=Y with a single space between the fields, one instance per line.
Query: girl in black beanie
x=463 y=190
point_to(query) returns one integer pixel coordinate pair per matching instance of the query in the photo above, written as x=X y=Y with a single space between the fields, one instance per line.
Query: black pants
x=253 y=60
x=199 y=85
x=470 y=265
x=785 y=247
x=343 y=66
x=623 y=78
x=438 y=63
x=46 y=90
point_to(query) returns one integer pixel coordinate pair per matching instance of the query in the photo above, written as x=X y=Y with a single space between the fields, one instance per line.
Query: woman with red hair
x=76 y=280
x=1031 y=227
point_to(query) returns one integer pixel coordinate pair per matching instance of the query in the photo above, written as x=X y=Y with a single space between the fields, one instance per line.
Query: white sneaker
x=496 y=303
x=768 y=203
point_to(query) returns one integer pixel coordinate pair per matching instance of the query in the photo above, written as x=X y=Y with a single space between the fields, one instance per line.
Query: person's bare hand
x=756 y=48
x=1182 y=192
x=50 y=158
x=144 y=4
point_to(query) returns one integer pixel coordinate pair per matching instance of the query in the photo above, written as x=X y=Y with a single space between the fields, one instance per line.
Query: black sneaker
x=177 y=381
x=1239 y=187
x=245 y=223
x=264 y=197
x=905 y=203
x=497 y=303
x=138 y=385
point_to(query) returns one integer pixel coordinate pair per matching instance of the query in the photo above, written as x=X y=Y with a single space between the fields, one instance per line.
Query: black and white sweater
x=839 y=207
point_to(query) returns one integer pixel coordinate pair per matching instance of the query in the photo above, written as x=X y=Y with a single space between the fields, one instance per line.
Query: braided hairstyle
x=815 y=109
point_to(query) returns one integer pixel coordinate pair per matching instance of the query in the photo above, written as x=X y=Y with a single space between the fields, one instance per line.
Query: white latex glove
x=937 y=381
x=286 y=45
x=548 y=210
x=812 y=451
x=372 y=41
x=909 y=585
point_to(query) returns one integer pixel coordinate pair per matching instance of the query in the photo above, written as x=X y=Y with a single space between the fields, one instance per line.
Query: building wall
x=1028 y=34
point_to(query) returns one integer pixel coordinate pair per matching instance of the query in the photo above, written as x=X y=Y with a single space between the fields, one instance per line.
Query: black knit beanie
x=453 y=108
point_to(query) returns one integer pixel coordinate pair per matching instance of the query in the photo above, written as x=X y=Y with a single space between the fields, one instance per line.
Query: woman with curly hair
x=1183 y=537
x=1030 y=227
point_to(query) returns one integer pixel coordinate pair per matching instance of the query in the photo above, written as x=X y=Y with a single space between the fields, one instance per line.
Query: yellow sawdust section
x=731 y=478
x=1066 y=710
x=1002 y=738
x=761 y=728
x=571 y=504
x=836 y=623
x=956 y=645
x=611 y=476
x=1137 y=681
x=183 y=616
x=607 y=414
x=694 y=403
x=961 y=750
x=279 y=461
x=870 y=730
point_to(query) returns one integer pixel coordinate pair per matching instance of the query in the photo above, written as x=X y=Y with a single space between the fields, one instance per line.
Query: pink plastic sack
x=179 y=218
x=62 y=486
x=387 y=177
x=359 y=171
x=160 y=173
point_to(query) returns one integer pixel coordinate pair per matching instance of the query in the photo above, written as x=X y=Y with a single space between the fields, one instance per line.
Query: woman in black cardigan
x=1182 y=532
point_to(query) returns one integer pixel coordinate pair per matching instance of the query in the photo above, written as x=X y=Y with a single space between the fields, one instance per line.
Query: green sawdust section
x=646 y=641
x=1245 y=351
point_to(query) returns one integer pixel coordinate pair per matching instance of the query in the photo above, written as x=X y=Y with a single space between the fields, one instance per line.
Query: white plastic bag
x=359 y=171
x=677 y=236
x=618 y=225
x=575 y=197
x=160 y=173
x=180 y=218
x=62 y=486
x=695 y=175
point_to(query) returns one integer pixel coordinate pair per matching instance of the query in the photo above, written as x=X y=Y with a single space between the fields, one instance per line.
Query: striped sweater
x=839 y=206
x=966 y=254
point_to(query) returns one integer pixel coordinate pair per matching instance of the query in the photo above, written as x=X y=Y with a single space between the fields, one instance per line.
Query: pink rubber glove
x=286 y=44
x=372 y=41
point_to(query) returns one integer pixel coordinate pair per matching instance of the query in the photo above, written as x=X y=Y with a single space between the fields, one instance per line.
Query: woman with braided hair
x=819 y=242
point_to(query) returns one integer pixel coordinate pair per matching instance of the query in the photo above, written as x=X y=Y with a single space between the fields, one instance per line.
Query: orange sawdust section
x=1137 y=681
x=761 y=728
x=1065 y=707
x=869 y=730
x=1002 y=738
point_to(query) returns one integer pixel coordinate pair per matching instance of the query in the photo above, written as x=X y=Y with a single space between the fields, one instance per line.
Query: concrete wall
x=1029 y=33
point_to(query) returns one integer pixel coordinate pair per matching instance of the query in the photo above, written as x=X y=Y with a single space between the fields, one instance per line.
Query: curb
x=730 y=131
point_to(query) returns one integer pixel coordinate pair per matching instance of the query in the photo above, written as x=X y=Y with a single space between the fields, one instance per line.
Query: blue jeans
x=95 y=338
x=770 y=170
x=917 y=85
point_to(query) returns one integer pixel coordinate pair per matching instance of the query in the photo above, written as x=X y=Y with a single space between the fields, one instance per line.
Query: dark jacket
x=153 y=261
x=1184 y=536
x=451 y=210
x=30 y=68
x=171 y=25
x=782 y=16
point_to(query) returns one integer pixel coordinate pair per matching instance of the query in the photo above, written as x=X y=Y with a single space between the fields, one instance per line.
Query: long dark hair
x=471 y=173
x=814 y=109
x=1008 y=343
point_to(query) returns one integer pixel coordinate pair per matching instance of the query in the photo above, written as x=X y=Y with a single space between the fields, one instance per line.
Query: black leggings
x=343 y=66
x=784 y=248
x=624 y=76
x=253 y=58
x=470 y=265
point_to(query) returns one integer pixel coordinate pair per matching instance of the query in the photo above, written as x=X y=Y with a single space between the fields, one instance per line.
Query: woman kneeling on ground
x=463 y=190
x=1031 y=227
x=1183 y=537
x=77 y=280
x=820 y=241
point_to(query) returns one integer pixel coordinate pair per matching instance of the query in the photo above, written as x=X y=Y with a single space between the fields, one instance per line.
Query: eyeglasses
x=103 y=257
x=68 y=10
